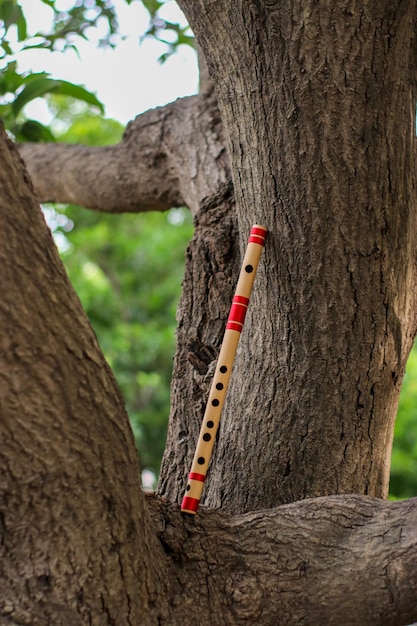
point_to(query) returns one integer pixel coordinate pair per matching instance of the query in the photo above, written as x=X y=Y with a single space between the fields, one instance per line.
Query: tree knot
x=246 y=595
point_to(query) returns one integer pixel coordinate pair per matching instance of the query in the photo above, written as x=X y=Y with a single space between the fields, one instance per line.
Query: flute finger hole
x=207 y=437
x=201 y=460
x=210 y=424
x=223 y=369
x=249 y=269
x=219 y=386
x=215 y=402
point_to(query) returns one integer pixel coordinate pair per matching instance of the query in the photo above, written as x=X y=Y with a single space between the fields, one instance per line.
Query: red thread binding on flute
x=238 y=310
x=241 y=300
x=257 y=235
x=258 y=229
x=196 y=476
x=234 y=326
x=238 y=313
x=189 y=504
x=256 y=239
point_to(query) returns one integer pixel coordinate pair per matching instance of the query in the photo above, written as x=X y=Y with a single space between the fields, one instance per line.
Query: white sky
x=129 y=79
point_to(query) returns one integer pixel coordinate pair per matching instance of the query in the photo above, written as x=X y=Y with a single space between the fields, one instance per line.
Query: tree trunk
x=75 y=540
x=318 y=107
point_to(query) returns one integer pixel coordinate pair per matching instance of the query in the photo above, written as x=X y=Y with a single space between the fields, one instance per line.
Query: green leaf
x=35 y=89
x=21 y=28
x=10 y=80
x=6 y=47
x=38 y=87
x=152 y=6
x=50 y=3
x=33 y=131
x=80 y=93
x=34 y=76
x=6 y=114
x=185 y=40
x=9 y=12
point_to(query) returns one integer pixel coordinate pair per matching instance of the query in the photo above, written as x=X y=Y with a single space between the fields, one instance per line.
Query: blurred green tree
x=403 y=483
x=127 y=271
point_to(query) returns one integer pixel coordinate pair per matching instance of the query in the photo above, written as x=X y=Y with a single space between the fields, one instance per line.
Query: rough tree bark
x=72 y=520
x=317 y=104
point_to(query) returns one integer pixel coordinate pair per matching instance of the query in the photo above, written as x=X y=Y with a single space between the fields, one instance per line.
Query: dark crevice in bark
x=209 y=280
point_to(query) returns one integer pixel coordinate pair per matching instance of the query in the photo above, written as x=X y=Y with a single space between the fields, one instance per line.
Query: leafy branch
x=17 y=88
x=170 y=33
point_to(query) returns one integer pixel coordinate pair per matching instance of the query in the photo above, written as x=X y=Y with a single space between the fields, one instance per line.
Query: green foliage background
x=403 y=482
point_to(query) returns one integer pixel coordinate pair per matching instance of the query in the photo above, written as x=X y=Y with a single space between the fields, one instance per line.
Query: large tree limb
x=75 y=537
x=334 y=560
x=169 y=156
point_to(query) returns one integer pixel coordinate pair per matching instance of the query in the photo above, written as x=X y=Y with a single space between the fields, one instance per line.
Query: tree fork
x=110 y=559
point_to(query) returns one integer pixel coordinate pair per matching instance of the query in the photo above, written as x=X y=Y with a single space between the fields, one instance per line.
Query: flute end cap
x=189 y=505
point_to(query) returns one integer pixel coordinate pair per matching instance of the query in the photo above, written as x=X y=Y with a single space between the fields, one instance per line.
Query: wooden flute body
x=223 y=371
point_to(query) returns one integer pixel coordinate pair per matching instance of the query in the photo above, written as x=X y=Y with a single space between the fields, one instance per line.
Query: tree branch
x=169 y=156
x=334 y=560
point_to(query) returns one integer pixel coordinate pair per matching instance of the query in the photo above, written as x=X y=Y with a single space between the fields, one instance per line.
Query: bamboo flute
x=217 y=395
